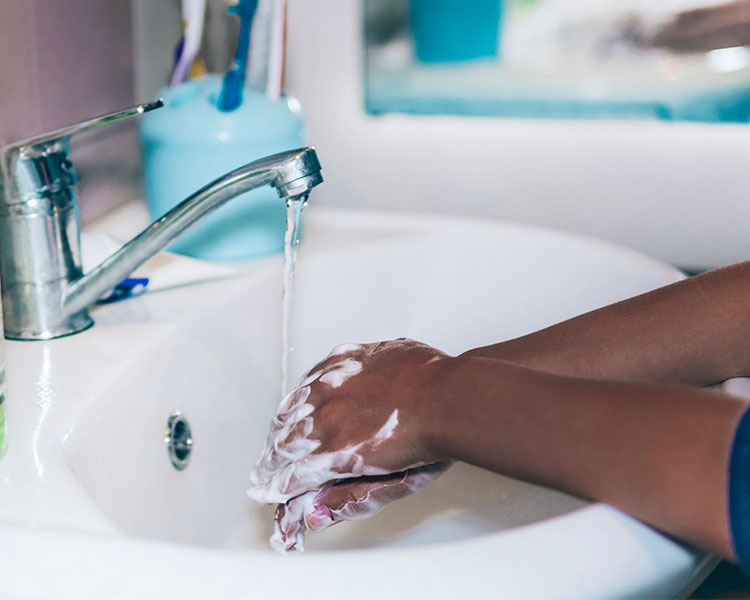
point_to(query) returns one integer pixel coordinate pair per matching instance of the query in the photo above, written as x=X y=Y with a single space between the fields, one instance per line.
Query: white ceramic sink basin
x=90 y=505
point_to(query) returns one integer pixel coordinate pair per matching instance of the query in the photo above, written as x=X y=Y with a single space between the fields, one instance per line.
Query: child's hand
x=366 y=410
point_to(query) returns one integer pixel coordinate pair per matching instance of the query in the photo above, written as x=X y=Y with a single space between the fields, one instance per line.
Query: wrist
x=462 y=389
x=520 y=351
x=437 y=397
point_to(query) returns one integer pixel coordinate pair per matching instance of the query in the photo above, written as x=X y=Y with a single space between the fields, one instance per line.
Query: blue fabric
x=739 y=491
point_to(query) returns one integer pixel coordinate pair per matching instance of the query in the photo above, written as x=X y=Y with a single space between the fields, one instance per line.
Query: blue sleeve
x=739 y=491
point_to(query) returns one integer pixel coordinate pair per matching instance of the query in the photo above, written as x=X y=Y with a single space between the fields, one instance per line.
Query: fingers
x=310 y=473
x=286 y=467
x=365 y=497
x=277 y=459
x=339 y=372
x=297 y=405
x=302 y=455
x=289 y=437
x=289 y=525
x=335 y=356
x=346 y=501
x=289 y=405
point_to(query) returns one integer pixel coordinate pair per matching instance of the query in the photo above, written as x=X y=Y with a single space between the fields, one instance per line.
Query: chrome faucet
x=45 y=294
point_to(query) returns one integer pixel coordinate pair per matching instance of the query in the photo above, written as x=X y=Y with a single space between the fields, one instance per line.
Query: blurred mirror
x=686 y=60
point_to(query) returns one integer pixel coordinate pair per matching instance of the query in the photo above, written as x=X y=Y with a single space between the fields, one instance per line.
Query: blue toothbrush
x=231 y=89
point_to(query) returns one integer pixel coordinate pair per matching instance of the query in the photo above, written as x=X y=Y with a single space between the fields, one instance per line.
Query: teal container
x=190 y=142
x=455 y=30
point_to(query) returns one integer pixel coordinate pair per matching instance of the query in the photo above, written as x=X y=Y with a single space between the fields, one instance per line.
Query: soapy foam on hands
x=294 y=411
x=377 y=496
x=309 y=510
x=288 y=468
x=307 y=471
x=293 y=454
x=299 y=512
x=289 y=524
x=386 y=431
x=344 y=348
x=343 y=371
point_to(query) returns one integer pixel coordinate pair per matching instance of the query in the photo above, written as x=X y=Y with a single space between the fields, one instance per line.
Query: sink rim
x=504 y=554
x=675 y=558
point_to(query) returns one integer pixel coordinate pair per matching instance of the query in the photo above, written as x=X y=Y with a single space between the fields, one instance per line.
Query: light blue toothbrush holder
x=190 y=142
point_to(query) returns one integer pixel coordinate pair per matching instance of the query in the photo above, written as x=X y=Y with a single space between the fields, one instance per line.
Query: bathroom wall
x=676 y=191
x=63 y=61
x=156 y=28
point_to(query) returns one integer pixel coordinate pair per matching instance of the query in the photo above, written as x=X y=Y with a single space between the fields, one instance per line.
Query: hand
x=365 y=411
x=347 y=500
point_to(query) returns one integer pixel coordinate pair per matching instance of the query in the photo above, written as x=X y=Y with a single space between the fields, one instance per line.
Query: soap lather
x=45 y=293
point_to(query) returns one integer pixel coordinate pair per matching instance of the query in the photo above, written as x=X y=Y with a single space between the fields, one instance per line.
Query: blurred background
x=613 y=59
x=621 y=119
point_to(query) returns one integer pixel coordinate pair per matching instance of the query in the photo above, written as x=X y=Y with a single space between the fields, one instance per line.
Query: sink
x=91 y=505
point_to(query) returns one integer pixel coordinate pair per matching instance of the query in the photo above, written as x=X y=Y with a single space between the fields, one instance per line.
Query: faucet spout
x=45 y=294
x=293 y=174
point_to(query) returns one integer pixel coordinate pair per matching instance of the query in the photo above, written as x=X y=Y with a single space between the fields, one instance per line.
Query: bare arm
x=695 y=331
x=589 y=406
x=659 y=452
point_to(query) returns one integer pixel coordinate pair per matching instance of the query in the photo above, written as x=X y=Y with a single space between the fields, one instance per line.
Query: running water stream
x=294 y=208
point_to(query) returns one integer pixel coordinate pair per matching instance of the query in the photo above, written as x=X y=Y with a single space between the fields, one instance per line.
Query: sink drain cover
x=179 y=440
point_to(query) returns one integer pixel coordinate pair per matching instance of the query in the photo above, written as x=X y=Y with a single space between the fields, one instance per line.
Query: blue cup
x=455 y=30
x=190 y=142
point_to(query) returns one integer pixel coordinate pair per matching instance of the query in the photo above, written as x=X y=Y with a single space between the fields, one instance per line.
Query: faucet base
x=79 y=322
x=46 y=295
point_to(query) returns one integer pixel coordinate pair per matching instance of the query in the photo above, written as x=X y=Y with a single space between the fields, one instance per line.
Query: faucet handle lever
x=45 y=140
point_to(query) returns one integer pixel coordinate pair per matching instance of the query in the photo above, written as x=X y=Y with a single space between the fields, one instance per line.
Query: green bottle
x=3 y=424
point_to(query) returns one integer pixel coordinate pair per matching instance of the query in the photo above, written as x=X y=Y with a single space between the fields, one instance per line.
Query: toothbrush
x=274 y=87
x=231 y=90
x=266 y=65
x=193 y=12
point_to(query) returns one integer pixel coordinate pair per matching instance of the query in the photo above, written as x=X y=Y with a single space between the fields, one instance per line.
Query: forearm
x=657 y=452
x=695 y=331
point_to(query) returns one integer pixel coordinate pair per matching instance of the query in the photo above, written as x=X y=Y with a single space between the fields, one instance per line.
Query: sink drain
x=179 y=440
